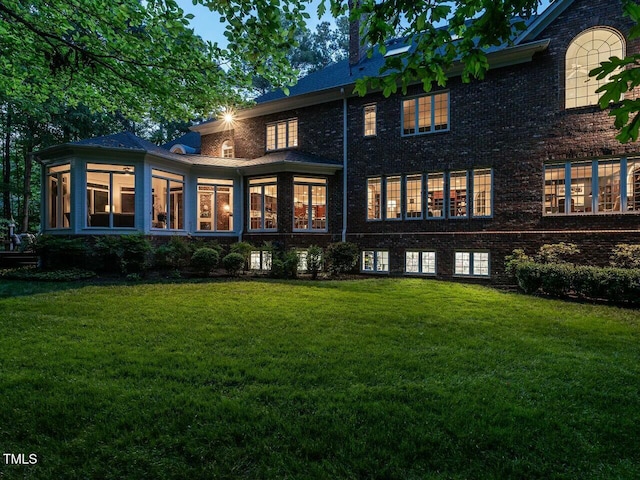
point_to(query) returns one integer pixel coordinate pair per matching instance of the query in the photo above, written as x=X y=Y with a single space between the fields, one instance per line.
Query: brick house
x=444 y=184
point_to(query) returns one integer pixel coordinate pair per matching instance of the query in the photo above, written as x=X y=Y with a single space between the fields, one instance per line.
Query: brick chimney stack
x=356 y=49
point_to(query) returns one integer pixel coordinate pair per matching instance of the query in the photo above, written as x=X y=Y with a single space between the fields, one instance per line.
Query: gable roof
x=542 y=21
x=190 y=139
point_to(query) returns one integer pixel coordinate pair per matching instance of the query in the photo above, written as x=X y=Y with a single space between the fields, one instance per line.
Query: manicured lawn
x=380 y=378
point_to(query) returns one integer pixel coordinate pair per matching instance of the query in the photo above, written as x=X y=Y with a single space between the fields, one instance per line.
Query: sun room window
x=167 y=200
x=110 y=196
x=59 y=196
x=215 y=205
x=309 y=203
x=263 y=203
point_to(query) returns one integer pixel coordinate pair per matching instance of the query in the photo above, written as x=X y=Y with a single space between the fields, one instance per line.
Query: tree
x=624 y=76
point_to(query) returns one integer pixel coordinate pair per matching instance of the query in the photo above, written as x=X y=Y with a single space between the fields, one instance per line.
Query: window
x=482 y=193
x=458 y=194
x=282 y=134
x=263 y=203
x=227 y=149
x=370 y=120
x=585 y=53
x=393 y=198
x=420 y=262
x=59 y=196
x=375 y=261
x=167 y=200
x=309 y=203
x=413 y=196
x=426 y=114
x=374 y=198
x=598 y=186
x=472 y=264
x=215 y=205
x=110 y=196
x=435 y=195
x=260 y=260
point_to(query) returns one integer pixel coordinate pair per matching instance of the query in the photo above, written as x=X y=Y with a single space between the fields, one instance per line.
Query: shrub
x=286 y=265
x=58 y=252
x=234 y=263
x=528 y=276
x=557 y=253
x=126 y=253
x=174 y=254
x=32 y=274
x=205 y=259
x=341 y=257
x=625 y=255
x=314 y=260
x=556 y=279
x=516 y=257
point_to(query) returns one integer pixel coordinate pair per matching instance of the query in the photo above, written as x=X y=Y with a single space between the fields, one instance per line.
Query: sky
x=207 y=24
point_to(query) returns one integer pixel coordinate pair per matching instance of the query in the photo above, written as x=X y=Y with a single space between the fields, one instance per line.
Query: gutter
x=344 y=166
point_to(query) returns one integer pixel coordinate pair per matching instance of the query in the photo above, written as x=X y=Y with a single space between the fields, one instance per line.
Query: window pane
x=382 y=261
x=271 y=207
x=302 y=260
x=374 y=193
x=554 y=187
x=368 y=259
x=482 y=193
x=176 y=216
x=255 y=260
x=480 y=263
x=293 y=133
x=369 y=120
x=424 y=113
x=609 y=187
x=281 y=136
x=99 y=206
x=581 y=187
x=123 y=200
x=271 y=137
x=393 y=197
x=413 y=202
x=429 y=262
x=441 y=111
x=224 y=208
x=300 y=206
x=435 y=194
x=255 y=206
x=159 y=202
x=412 y=262
x=409 y=116
x=206 y=207
x=53 y=201
x=633 y=185
x=227 y=149
x=458 y=194
x=462 y=263
x=319 y=207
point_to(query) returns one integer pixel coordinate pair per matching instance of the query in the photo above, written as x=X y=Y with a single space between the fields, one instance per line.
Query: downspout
x=344 y=165
x=241 y=231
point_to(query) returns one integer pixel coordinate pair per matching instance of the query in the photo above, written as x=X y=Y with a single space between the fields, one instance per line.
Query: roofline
x=512 y=55
x=543 y=20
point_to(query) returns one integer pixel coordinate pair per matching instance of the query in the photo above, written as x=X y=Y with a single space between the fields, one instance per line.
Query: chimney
x=356 y=49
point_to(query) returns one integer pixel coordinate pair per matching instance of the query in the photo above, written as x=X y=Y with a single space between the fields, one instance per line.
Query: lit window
x=263 y=204
x=472 y=264
x=110 y=196
x=482 y=193
x=370 y=120
x=227 y=149
x=374 y=198
x=59 y=196
x=215 y=204
x=458 y=194
x=426 y=114
x=435 y=195
x=260 y=260
x=393 y=198
x=309 y=203
x=585 y=53
x=167 y=200
x=420 y=262
x=633 y=186
x=413 y=196
x=282 y=134
x=376 y=261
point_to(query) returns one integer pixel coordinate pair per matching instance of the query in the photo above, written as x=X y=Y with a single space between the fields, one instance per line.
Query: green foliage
x=341 y=257
x=205 y=259
x=60 y=252
x=124 y=253
x=511 y=261
x=285 y=265
x=233 y=263
x=33 y=274
x=625 y=255
x=557 y=253
x=243 y=248
x=174 y=254
x=314 y=260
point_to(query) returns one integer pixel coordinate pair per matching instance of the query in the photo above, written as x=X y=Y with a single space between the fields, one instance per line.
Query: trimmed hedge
x=608 y=283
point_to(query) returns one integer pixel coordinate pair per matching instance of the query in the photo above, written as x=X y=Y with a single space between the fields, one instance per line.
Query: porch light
x=228 y=116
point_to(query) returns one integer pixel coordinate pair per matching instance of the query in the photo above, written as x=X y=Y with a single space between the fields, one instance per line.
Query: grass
x=381 y=378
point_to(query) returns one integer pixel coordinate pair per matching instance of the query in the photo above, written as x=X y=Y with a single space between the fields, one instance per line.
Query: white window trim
x=432 y=128
x=421 y=271
x=375 y=120
x=471 y=199
x=405 y=196
x=375 y=262
x=59 y=197
x=322 y=182
x=170 y=179
x=471 y=273
x=263 y=206
x=287 y=141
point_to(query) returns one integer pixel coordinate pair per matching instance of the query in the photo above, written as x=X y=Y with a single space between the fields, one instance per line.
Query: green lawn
x=381 y=378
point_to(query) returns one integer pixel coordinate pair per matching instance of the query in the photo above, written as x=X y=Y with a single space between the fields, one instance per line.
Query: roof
x=191 y=139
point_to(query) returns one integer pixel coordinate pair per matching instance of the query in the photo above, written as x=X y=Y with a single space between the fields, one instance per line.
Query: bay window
x=215 y=205
x=263 y=203
x=309 y=203
x=167 y=200
x=110 y=196
x=59 y=196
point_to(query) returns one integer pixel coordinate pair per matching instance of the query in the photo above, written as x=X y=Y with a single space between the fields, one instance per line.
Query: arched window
x=585 y=53
x=227 y=149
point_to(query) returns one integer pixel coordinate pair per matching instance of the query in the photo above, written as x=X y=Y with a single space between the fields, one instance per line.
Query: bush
x=341 y=257
x=527 y=276
x=176 y=253
x=59 y=252
x=205 y=259
x=516 y=257
x=32 y=274
x=234 y=263
x=557 y=253
x=314 y=261
x=625 y=255
x=286 y=265
x=126 y=253
x=244 y=249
